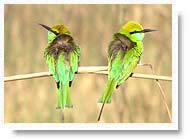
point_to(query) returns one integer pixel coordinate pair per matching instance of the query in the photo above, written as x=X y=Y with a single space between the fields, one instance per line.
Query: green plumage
x=122 y=60
x=62 y=57
x=124 y=53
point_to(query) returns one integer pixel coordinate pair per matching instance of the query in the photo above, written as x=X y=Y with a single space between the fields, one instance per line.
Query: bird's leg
x=117 y=86
x=131 y=75
x=161 y=89
x=70 y=83
x=58 y=84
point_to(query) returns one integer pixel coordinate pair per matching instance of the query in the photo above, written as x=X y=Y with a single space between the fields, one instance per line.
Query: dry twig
x=161 y=91
x=85 y=70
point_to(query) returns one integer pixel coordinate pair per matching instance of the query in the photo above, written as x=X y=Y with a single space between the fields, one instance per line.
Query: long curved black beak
x=148 y=30
x=48 y=28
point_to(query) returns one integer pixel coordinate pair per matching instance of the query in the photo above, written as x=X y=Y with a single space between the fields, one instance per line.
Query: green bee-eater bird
x=62 y=57
x=124 y=53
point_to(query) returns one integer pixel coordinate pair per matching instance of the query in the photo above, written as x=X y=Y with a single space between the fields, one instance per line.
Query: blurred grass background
x=92 y=26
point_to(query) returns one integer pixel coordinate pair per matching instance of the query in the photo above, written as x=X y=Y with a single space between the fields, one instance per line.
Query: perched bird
x=62 y=57
x=124 y=53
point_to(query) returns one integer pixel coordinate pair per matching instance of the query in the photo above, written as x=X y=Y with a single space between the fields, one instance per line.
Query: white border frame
x=99 y=126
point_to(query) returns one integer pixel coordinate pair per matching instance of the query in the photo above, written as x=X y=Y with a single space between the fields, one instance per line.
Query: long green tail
x=107 y=94
x=64 y=98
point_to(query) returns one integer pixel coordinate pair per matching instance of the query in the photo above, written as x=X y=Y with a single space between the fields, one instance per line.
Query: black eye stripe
x=54 y=32
x=142 y=31
x=136 y=32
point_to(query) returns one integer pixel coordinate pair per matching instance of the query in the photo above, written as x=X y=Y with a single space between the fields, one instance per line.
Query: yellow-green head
x=134 y=31
x=55 y=31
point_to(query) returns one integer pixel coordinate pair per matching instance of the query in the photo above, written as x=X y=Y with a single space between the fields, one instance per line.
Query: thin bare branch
x=85 y=70
x=161 y=91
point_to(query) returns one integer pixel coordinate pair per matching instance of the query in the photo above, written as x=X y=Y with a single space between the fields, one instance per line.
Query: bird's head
x=134 y=31
x=54 y=31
